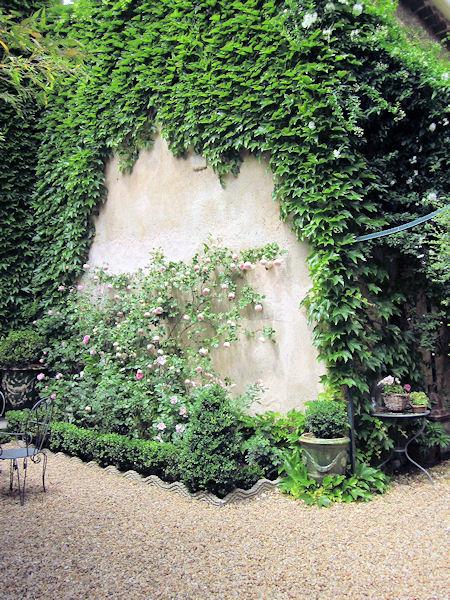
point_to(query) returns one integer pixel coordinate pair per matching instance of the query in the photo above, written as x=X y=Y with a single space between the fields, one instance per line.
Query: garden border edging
x=237 y=495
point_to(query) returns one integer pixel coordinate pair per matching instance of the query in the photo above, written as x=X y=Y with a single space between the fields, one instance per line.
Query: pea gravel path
x=96 y=535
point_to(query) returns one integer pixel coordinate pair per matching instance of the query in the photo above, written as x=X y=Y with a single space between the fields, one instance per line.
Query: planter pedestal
x=324 y=457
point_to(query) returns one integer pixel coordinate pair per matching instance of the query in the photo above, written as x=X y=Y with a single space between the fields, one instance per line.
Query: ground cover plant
x=350 y=113
x=359 y=486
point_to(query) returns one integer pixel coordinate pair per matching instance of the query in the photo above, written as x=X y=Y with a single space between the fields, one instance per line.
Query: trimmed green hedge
x=143 y=456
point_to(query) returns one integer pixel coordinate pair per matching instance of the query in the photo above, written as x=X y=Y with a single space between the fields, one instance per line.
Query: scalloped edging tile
x=237 y=495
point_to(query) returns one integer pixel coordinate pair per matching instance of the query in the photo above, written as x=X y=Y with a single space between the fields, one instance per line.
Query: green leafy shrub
x=283 y=430
x=419 y=399
x=21 y=348
x=334 y=488
x=326 y=418
x=211 y=451
x=143 y=456
x=260 y=454
x=433 y=435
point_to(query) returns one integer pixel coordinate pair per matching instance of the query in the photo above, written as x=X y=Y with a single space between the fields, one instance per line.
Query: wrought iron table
x=397 y=418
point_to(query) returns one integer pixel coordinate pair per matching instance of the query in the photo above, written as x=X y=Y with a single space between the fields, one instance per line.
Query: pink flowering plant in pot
x=132 y=349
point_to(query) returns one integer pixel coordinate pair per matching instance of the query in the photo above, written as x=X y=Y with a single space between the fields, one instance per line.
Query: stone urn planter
x=324 y=456
x=20 y=354
x=19 y=386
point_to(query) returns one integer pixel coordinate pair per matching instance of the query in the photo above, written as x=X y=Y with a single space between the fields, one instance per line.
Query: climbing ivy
x=349 y=112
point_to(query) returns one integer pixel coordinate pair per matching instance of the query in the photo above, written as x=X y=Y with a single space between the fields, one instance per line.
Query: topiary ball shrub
x=20 y=348
x=326 y=419
x=211 y=452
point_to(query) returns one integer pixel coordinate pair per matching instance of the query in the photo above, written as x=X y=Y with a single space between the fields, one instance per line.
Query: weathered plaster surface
x=175 y=204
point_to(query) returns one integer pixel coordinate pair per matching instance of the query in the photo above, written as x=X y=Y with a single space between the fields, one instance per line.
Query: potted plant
x=20 y=351
x=419 y=402
x=395 y=397
x=325 y=446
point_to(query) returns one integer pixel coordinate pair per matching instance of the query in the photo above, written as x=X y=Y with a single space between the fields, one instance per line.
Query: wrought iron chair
x=2 y=404
x=36 y=430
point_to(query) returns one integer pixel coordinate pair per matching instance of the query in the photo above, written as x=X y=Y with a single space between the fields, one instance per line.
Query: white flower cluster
x=309 y=19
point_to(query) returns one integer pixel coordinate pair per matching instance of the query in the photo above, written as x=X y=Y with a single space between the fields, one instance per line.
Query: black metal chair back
x=37 y=427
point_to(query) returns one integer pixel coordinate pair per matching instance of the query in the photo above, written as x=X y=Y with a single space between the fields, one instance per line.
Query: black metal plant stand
x=402 y=447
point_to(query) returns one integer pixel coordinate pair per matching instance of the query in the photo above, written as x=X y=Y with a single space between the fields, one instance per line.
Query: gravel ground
x=96 y=535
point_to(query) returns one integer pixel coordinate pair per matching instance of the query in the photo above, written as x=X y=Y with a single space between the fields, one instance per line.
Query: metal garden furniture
x=401 y=447
x=35 y=432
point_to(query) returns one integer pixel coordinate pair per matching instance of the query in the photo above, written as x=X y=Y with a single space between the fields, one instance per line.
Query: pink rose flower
x=86 y=339
x=205 y=291
x=58 y=376
x=161 y=426
x=258 y=307
x=231 y=296
x=179 y=428
x=53 y=396
x=407 y=387
x=139 y=375
x=40 y=377
x=174 y=400
x=61 y=288
x=183 y=411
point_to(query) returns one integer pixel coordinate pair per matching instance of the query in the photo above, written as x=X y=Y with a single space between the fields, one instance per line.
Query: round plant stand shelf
x=402 y=448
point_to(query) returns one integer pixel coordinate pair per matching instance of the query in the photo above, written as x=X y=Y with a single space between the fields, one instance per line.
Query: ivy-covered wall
x=350 y=114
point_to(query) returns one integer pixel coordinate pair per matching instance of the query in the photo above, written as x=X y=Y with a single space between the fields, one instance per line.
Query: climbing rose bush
x=132 y=349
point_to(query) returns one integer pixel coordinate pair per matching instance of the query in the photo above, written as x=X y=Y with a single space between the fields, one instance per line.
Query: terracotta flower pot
x=18 y=385
x=324 y=457
x=419 y=409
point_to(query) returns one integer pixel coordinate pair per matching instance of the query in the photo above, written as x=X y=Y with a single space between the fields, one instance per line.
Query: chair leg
x=17 y=469
x=44 y=469
x=25 y=468
x=11 y=475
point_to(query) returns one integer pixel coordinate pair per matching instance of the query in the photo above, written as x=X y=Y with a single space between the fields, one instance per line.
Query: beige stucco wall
x=175 y=204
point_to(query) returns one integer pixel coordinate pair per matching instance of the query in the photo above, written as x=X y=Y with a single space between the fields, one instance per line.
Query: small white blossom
x=432 y=127
x=432 y=196
x=336 y=153
x=357 y=9
x=311 y=124
x=309 y=19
